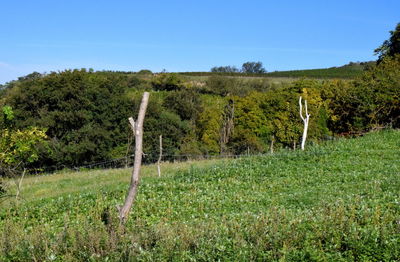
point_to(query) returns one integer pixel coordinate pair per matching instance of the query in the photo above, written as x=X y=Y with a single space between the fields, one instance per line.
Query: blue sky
x=44 y=35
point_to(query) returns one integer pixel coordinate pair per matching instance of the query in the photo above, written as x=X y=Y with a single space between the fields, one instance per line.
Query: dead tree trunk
x=138 y=131
x=305 y=120
x=159 y=158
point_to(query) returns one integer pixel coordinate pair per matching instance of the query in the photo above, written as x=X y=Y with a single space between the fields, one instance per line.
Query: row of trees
x=84 y=113
x=247 y=68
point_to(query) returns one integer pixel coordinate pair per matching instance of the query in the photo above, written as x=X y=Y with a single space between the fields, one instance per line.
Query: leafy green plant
x=295 y=206
x=18 y=147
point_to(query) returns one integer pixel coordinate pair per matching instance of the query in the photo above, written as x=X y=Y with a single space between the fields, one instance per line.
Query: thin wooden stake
x=137 y=128
x=159 y=158
x=272 y=144
x=19 y=184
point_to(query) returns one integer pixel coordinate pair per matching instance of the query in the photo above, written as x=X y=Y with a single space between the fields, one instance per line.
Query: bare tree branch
x=305 y=120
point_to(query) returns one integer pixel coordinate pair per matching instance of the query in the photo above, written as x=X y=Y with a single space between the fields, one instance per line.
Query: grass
x=339 y=201
x=91 y=181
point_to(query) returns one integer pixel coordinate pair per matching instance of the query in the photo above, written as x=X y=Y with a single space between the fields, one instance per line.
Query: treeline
x=85 y=113
x=348 y=71
x=247 y=68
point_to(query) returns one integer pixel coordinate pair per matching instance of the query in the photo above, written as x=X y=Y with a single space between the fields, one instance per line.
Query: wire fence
x=127 y=161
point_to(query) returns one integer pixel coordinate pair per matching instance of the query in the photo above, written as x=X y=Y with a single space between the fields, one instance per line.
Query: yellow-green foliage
x=250 y=123
x=20 y=145
x=263 y=115
x=17 y=147
x=209 y=123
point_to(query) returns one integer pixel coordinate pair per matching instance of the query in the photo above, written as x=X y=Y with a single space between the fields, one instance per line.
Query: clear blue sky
x=177 y=35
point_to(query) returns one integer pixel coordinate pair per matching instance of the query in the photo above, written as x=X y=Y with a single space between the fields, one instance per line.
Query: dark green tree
x=253 y=68
x=160 y=121
x=145 y=72
x=85 y=114
x=391 y=46
x=185 y=103
x=224 y=69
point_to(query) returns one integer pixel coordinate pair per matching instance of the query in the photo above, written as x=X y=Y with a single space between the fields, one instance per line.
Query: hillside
x=335 y=202
x=84 y=113
x=348 y=71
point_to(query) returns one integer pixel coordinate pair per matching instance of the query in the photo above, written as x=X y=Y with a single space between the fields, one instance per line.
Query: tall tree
x=84 y=113
x=253 y=67
x=391 y=46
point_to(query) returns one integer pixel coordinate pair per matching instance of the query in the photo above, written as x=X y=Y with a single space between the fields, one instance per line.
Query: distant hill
x=348 y=71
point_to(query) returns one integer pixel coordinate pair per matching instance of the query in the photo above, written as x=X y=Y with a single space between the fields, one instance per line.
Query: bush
x=167 y=82
x=84 y=113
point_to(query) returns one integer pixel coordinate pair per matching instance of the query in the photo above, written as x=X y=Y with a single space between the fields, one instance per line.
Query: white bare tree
x=305 y=120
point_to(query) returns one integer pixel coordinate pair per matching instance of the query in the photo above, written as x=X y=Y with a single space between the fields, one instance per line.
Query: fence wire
x=127 y=161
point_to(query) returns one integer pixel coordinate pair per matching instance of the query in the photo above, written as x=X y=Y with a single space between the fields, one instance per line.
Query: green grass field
x=338 y=201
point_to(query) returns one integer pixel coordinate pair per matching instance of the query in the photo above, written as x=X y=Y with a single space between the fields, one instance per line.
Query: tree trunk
x=159 y=158
x=305 y=120
x=138 y=132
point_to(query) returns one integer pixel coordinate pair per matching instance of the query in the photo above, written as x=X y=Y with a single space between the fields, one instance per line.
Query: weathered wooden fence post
x=159 y=158
x=137 y=128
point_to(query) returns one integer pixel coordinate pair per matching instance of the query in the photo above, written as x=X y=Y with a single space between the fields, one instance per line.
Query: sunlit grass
x=337 y=201
x=69 y=182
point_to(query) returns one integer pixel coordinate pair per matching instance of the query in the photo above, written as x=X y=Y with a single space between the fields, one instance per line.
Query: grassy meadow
x=337 y=201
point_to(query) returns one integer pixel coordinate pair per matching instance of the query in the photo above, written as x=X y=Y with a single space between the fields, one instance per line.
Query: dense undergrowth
x=84 y=113
x=338 y=201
